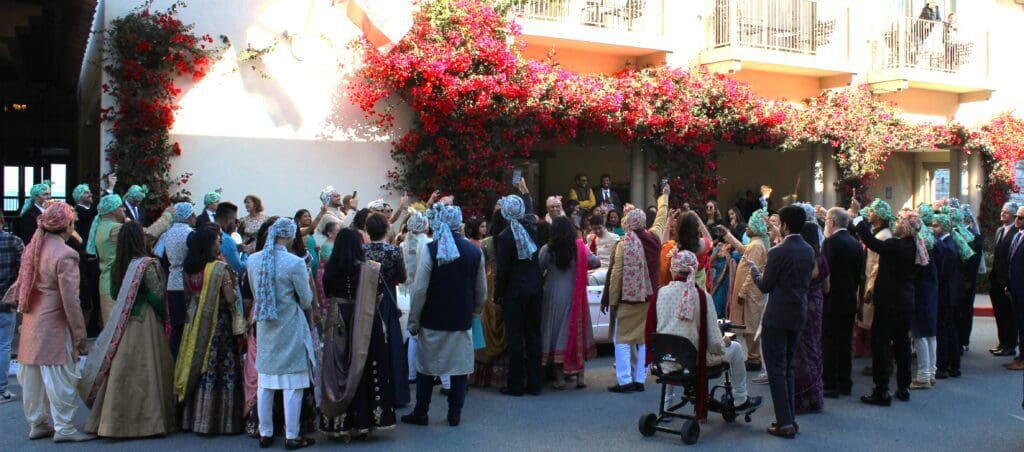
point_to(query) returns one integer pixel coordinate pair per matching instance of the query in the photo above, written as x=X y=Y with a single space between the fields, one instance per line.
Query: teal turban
x=36 y=190
x=212 y=197
x=758 y=225
x=927 y=217
x=79 y=191
x=136 y=193
x=107 y=205
x=952 y=220
x=880 y=208
x=182 y=212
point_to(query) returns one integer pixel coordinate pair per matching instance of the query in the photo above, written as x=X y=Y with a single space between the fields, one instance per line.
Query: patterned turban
x=136 y=193
x=265 y=293
x=758 y=225
x=913 y=219
x=325 y=194
x=79 y=192
x=686 y=261
x=36 y=190
x=377 y=204
x=56 y=218
x=880 y=208
x=947 y=217
x=635 y=220
x=212 y=197
x=636 y=281
x=182 y=212
x=107 y=205
x=417 y=223
x=927 y=217
x=445 y=219
x=513 y=210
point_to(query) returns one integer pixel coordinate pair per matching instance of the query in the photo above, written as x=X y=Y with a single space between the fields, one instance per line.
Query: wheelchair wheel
x=690 y=432
x=647 y=423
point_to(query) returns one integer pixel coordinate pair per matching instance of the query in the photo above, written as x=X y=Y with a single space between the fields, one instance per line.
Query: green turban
x=107 y=205
x=880 y=208
x=212 y=197
x=136 y=193
x=758 y=225
x=79 y=191
x=927 y=217
x=36 y=190
x=952 y=220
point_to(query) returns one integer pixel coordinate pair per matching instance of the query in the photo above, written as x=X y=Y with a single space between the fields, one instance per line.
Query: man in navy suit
x=786 y=280
x=606 y=196
x=946 y=264
x=1017 y=282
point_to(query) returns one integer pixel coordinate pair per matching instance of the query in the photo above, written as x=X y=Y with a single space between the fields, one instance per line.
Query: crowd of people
x=198 y=320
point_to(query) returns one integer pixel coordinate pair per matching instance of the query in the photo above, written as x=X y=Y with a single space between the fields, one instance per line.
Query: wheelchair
x=666 y=348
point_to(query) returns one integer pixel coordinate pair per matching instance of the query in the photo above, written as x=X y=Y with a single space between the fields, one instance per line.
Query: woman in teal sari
x=127 y=382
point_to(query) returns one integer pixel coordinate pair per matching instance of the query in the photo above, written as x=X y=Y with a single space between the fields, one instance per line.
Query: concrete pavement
x=982 y=411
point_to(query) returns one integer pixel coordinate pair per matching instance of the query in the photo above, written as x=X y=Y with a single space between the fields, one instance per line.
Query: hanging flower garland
x=479 y=105
x=148 y=52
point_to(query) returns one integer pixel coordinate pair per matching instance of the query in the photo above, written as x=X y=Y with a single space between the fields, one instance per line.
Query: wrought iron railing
x=642 y=16
x=806 y=27
x=932 y=46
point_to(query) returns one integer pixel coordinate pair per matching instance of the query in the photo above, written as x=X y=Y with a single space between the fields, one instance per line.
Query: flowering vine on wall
x=148 y=51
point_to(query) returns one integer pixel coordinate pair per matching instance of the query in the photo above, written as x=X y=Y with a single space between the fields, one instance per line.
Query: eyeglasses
x=1020 y=217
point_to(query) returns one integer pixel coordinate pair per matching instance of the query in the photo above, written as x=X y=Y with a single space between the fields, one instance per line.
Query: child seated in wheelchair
x=679 y=312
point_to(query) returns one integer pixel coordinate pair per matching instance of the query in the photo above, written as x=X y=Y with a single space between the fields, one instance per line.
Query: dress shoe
x=453 y=420
x=266 y=441
x=628 y=387
x=955 y=373
x=782 y=432
x=533 y=392
x=41 y=431
x=795 y=426
x=903 y=395
x=878 y=397
x=752 y=402
x=298 y=443
x=77 y=437
x=941 y=374
x=1015 y=365
x=1003 y=352
x=917 y=384
x=415 y=418
x=511 y=392
x=753 y=366
x=995 y=349
x=639 y=387
x=832 y=394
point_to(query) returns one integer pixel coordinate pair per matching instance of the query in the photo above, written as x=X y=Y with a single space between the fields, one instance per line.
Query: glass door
x=936 y=182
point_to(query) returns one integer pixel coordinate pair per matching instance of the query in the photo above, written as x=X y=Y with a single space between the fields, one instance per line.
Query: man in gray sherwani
x=281 y=290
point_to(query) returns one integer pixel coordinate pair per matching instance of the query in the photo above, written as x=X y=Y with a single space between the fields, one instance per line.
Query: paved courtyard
x=981 y=411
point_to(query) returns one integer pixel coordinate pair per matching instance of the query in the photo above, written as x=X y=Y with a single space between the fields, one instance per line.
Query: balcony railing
x=640 y=16
x=932 y=46
x=805 y=27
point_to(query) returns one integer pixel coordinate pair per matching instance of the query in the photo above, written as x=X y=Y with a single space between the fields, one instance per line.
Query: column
x=955 y=165
x=817 y=172
x=976 y=176
x=637 y=173
x=650 y=193
x=830 y=176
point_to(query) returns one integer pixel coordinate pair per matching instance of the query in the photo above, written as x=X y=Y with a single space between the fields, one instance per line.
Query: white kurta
x=442 y=352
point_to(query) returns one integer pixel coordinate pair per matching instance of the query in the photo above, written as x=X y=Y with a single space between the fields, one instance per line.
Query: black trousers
x=837 y=351
x=176 y=305
x=778 y=347
x=1002 y=307
x=425 y=390
x=890 y=335
x=965 y=310
x=89 y=294
x=947 y=355
x=522 y=331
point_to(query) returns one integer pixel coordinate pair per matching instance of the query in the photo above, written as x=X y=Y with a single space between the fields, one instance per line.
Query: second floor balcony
x=623 y=27
x=800 y=37
x=931 y=55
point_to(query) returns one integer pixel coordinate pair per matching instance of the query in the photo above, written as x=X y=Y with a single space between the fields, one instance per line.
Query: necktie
x=1016 y=243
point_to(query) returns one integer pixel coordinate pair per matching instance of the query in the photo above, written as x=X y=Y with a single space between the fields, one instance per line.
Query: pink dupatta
x=578 y=346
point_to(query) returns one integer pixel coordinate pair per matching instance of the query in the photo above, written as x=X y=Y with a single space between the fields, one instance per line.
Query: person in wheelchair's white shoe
x=679 y=314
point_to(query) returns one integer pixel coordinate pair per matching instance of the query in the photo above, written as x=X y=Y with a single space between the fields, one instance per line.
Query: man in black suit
x=786 y=280
x=948 y=267
x=88 y=265
x=518 y=286
x=133 y=204
x=898 y=266
x=845 y=257
x=38 y=196
x=999 y=277
x=1016 y=285
x=606 y=196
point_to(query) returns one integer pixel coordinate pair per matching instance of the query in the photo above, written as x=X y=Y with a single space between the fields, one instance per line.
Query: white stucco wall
x=285 y=130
